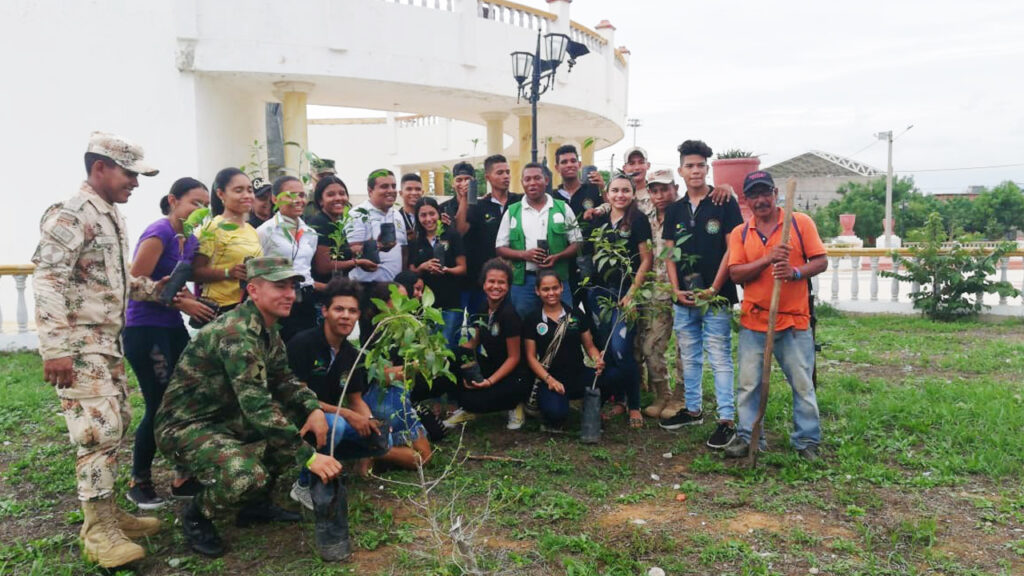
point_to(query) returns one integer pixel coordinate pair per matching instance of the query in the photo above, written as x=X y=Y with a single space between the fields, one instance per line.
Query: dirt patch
x=648 y=513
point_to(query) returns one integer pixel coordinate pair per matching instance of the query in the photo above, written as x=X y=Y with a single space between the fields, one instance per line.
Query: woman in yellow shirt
x=227 y=240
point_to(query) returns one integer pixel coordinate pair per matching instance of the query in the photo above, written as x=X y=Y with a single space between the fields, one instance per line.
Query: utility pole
x=633 y=123
x=887 y=224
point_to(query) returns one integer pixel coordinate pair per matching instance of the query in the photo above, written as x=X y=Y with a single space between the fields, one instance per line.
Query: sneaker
x=460 y=416
x=682 y=418
x=723 y=435
x=301 y=495
x=145 y=497
x=810 y=453
x=188 y=490
x=516 y=418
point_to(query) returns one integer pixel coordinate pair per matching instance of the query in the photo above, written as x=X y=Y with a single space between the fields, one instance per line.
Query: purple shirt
x=153 y=313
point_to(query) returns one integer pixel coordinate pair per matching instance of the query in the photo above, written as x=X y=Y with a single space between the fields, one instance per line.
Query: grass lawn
x=923 y=451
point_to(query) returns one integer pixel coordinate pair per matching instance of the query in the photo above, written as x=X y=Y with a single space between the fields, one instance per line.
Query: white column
x=19 y=281
x=293 y=97
x=495 y=131
x=1004 y=266
x=895 y=282
x=854 y=281
x=561 y=9
x=835 y=278
x=874 y=278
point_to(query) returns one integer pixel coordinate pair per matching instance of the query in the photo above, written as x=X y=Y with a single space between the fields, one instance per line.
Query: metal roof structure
x=821 y=164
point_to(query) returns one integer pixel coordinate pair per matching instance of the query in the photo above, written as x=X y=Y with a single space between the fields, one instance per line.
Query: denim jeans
x=349 y=445
x=711 y=332
x=452 y=327
x=152 y=353
x=619 y=358
x=524 y=296
x=554 y=407
x=794 y=350
x=473 y=300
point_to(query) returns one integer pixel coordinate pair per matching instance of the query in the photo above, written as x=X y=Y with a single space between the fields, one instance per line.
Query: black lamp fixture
x=535 y=75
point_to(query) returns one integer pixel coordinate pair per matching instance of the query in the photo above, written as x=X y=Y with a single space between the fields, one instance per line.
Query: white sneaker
x=301 y=495
x=460 y=416
x=516 y=417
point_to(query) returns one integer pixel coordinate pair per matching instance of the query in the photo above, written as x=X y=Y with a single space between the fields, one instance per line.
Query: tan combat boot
x=662 y=397
x=102 y=541
x=134 y=526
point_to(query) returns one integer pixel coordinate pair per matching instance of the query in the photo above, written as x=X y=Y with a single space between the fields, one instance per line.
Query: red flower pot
x=732 y=171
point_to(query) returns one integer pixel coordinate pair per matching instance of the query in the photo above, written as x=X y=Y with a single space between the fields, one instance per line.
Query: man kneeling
x=232 y=411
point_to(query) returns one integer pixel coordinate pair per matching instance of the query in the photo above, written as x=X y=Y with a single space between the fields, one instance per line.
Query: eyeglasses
x=759 y=191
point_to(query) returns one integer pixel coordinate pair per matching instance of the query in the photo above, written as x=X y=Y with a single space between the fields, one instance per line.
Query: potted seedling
x=731 y=167
x=182 y=271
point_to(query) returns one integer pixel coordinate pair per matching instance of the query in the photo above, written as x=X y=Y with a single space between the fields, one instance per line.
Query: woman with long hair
x=333 y=255
x=227 y=241
x=155 y=335
x=626 y=227
x=439 y=258
x=502 y=382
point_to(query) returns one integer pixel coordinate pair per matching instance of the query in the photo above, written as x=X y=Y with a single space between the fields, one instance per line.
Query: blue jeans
x=349 y=445
x=794 y=350
x=697 y=333
x=473 y=300
x=554 y=407
x=452 y=327
x=619 y=358
x=524 y=296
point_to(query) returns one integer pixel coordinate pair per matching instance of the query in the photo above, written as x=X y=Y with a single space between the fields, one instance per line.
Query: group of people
x=281 y=284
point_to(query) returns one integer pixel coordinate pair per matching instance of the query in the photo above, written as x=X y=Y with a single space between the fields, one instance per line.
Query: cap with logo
x=661 y=176
x=123 y=152
x=270 y=268
x=636 y=150
x=757 y=177
x=464 y=169
x=263 y=191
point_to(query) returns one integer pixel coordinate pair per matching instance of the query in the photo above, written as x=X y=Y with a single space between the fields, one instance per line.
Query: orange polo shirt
x=794 y=312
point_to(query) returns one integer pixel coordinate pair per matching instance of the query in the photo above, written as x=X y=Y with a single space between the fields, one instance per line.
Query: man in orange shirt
x=756 y=259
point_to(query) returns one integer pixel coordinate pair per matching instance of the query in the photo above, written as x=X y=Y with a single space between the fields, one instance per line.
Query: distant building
x=819 y=175
x=970 y=193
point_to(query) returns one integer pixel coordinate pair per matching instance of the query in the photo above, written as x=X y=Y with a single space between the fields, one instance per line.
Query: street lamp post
x=535 y=75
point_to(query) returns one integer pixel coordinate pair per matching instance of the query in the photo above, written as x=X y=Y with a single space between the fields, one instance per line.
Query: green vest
x=558 y=239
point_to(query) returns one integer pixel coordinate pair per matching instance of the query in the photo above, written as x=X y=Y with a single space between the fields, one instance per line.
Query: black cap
x=757 y=177
x=263 y=191
x=464 y=169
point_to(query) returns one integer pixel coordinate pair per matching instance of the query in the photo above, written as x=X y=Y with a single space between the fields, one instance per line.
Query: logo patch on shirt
x=512 y=223
x=588 y=204
x=713 y=226
x=557 y=218
x=496 y=329
x=542 y=328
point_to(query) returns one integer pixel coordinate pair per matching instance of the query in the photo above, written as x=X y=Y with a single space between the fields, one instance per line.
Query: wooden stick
x=769 y=337
x=490 y=458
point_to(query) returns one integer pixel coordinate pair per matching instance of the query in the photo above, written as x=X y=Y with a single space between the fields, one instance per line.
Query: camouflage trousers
x=98 y=414
x=654 y=332
x=233 y=470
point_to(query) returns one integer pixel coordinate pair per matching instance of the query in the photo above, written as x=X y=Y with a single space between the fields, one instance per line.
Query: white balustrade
x=21 y=337
x=874 y=278
x=855 y=279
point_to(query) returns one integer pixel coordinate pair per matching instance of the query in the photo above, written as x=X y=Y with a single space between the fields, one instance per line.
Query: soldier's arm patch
x=52 y=253
x=63 y=233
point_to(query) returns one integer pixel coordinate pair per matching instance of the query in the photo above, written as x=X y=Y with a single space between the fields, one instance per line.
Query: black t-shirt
x=324 y=227
x=637 y=233
x=494 y=330
x=484 y=219
x=568 y=361
x=310 y=358
x=705 y=235
x=446 y=287
x=586 y=197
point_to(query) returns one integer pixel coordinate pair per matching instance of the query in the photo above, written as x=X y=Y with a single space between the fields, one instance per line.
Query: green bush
x=951 y=281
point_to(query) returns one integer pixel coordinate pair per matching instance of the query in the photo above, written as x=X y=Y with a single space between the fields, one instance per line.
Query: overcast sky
x=783 y=78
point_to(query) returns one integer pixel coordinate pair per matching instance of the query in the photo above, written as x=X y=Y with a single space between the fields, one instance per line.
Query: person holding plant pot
x=555 y=337
x=333 y=256
x=494 y=380
x=155 y=335
x=226 y=241
x=439 y=258
x=623 y=231
x=287 y=236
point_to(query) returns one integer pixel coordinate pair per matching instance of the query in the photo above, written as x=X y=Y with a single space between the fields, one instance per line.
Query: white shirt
x=535 y=226
x=359 y=229
x=277 y=238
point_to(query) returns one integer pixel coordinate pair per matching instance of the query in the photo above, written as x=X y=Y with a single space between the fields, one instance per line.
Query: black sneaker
x=810 y=453
x=264 y=512
x=188 y=490
x=724 y=433
x=200 y=533
x=682 y=418
x=145 y=497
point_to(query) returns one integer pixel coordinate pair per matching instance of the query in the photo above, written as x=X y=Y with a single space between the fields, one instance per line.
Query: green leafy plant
x=735 y=153
x=951 y=280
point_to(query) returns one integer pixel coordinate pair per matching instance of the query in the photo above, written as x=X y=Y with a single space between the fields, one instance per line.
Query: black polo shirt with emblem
x=311 y=360
x=588 y=196
x=704 y=234
x=567 y=364
x=494 y=331
x=484 y=219
x=446 y=287
x=638 y=232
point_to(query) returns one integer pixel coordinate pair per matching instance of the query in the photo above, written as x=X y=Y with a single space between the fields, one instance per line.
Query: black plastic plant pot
x=543 y=245
x=387 y=235
x=585 y=263
x=472 y=194
x=693 y=282
x=590 y=421
x=471 y=372
x=179 y=276
x=370 y=251
x=439 y=252
x=380 y=443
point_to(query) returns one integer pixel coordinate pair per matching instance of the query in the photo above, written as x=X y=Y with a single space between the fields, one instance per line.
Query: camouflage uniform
x=81 y=285
x=654 y=329
x=230 y=410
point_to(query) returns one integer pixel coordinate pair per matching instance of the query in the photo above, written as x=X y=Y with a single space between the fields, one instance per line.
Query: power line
x=876 y=141
x=965 y=168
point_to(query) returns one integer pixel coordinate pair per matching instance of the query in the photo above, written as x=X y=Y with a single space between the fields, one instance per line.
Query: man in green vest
x=538 y=218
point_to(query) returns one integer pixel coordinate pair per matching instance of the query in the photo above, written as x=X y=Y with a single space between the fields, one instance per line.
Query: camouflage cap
x=270 y=268
x=660 y=177
x=124 y=153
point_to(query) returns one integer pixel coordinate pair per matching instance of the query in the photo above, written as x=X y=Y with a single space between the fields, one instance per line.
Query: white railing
x=446 y=5
x=854 y=282
x=20 y=337
x=515 y=14
x=417 y=121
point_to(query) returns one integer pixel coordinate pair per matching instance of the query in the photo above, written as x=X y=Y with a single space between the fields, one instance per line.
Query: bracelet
x=310 y=461
x=796 y=273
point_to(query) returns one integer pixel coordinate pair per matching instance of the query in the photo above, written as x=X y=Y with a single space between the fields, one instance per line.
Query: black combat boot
x=200 y=533
x=330 y=504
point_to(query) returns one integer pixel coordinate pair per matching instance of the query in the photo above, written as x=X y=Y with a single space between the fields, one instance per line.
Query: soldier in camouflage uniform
x=233 y=410
x=81 y=285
